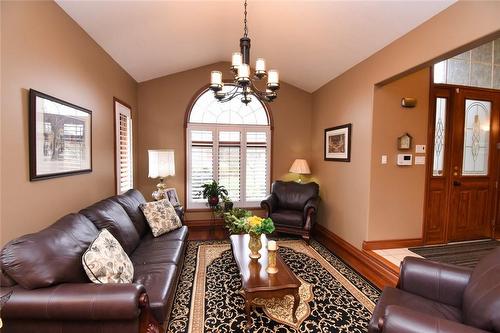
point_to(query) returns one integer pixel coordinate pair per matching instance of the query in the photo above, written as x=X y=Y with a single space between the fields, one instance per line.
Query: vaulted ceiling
x=309 y=42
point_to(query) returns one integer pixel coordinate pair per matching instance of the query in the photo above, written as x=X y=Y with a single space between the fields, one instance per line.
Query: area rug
x=466 y=254
x=333 y=297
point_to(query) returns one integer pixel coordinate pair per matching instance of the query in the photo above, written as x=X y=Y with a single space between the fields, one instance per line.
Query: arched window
x=231 y=143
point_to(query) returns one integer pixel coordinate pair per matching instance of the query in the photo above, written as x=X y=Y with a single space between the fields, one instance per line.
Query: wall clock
x=404 y=142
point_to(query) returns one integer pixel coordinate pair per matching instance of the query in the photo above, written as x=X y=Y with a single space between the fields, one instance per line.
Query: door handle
x=456 y=183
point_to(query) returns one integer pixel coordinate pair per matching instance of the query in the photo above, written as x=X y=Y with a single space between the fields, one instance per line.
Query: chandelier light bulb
x=260 y=65
x=243 y=71
x=237 y=59
x=273 y=77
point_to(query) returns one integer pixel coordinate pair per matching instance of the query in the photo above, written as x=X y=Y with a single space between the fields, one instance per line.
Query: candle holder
x=271 y=262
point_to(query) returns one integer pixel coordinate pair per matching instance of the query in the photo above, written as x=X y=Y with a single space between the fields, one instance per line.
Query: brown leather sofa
x=292 y=207
x=437 y=298
x=52 y=293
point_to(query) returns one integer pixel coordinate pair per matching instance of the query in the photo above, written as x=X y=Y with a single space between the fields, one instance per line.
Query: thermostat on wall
x=405 y=159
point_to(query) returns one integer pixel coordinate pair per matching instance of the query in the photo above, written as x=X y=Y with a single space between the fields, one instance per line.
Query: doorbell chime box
x=405 y=159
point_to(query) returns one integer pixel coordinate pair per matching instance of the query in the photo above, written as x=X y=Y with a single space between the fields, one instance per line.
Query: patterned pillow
x=105 y=261
x=161 y=216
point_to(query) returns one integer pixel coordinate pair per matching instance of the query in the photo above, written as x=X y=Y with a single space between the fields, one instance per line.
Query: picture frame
x=171 y=195
x=60 y=137
x=337 y=143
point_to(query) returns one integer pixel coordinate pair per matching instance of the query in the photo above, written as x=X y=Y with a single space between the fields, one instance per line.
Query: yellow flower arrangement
x=242 y=221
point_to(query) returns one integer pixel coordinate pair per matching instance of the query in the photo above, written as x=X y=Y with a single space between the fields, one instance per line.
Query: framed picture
x=171 y=195
x=338 y=143
x=60 y=139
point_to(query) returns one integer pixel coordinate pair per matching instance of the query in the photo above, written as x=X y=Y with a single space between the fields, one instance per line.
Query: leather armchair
x=293 y=207
x=440 y=298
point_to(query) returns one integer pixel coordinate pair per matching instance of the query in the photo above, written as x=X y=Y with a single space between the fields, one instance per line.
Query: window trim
x=270 y=146
x=116 y=113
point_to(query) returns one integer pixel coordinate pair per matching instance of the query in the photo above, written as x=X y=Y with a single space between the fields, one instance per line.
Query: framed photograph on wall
x=60 y=137
x=338 y=143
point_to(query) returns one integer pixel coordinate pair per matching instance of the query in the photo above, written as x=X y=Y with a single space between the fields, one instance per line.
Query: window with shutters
x=123 y=145
x=231 y=143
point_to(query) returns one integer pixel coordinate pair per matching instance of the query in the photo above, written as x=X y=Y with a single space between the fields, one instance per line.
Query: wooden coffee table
x=256 y=282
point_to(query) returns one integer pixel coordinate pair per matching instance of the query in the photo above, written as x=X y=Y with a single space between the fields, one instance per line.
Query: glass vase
x=254 y=244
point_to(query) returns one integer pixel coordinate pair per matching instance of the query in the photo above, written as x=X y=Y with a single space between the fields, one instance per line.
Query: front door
x=465 y=169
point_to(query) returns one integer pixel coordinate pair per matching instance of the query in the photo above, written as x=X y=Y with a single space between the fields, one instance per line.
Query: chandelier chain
x=245 y=21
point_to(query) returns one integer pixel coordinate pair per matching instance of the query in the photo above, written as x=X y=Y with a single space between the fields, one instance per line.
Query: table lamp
x=300 y=167
x=161 y=165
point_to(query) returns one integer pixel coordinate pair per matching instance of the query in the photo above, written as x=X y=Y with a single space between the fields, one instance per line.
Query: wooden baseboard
x=204 y=223
x=372 y=269
x=392 y=243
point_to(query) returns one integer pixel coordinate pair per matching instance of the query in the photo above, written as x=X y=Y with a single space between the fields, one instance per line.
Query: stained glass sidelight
x=476 y=138
x=439 y=137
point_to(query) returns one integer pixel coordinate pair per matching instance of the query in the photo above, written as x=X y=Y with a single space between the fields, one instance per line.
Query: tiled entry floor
x=396 y=256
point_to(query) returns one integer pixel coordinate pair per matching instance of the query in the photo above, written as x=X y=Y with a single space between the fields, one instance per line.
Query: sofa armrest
x=402 y=320
x=436 y=281
x=270 y=204
x=76 y=301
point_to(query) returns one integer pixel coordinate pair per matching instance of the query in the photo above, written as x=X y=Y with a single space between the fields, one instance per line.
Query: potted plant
x=213 y=191
x=227 y=203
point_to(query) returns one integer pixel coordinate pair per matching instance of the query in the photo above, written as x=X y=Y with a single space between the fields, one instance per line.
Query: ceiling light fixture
x=243 y=82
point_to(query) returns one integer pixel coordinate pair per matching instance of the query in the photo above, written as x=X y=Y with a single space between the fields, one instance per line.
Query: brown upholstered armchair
x=293 y=207
x=437 y=298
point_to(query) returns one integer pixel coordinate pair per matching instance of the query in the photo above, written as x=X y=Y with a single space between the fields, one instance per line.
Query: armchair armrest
x=76 y=301
x=311 y=207
x=402 y=320
x=270 y=204
x=439 y=282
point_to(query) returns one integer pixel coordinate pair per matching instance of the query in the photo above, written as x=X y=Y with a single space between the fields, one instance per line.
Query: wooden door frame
x=448 y=91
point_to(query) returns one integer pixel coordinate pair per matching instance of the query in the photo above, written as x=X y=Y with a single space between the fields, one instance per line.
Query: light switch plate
x=420 y=149
x=419 y=160
x=383 y=159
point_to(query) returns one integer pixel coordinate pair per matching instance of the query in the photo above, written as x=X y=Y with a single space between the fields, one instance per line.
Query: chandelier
x=243 y=81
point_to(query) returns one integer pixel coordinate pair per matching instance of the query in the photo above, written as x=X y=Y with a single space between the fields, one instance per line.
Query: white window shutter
x=123 y=145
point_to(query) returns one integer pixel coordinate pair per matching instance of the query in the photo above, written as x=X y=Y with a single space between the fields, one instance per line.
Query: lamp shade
x=300 y=166
x=161 y=163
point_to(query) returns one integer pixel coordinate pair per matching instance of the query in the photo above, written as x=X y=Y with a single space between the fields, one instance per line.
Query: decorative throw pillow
x=161 y=216
x=105 y=261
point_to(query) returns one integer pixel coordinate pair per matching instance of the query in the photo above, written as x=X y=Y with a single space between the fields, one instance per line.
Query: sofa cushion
x=151 y=252
x=106 y=262
x=161 y=216
x=50 y=256
x=107 y=214
x=293 y=195
x=159 y=281
x=289 y=218
x=481 y=301
x=394 y=296
x=177 y=234
x=130 y=202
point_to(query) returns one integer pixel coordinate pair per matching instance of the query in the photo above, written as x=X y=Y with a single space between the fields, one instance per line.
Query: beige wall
x=163 y=103
x=346 y=187
x=44 y=49
x=396 y=205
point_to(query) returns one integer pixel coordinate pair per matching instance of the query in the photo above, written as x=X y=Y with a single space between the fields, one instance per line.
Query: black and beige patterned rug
x=334 y=297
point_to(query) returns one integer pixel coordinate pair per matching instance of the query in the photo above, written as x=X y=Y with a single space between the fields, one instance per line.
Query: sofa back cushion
x=130 y=202
x=292 y=195
x=107 y=214
x=481 y=302
x=50 y=256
